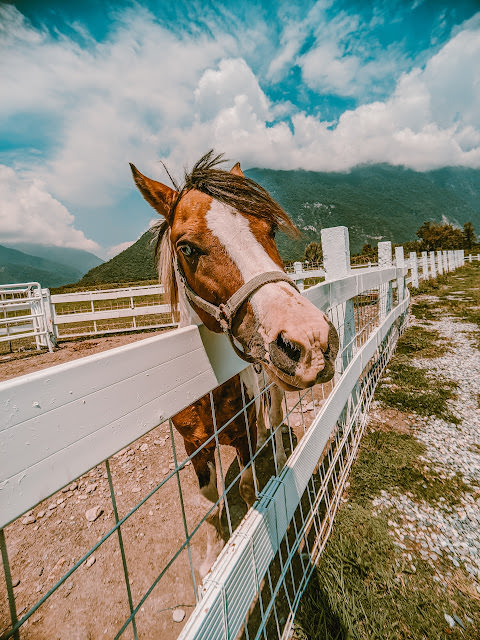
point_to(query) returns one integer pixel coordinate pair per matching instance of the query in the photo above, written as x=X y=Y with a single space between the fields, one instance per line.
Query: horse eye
x=186 y=249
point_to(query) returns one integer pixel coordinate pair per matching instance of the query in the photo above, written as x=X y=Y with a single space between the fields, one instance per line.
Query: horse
x=217 y=258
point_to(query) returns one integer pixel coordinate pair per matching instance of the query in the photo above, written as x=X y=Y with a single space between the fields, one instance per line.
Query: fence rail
x=59 y=423
x=110 y=311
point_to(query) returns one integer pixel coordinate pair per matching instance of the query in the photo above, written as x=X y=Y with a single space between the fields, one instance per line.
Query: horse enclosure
x=68 y=437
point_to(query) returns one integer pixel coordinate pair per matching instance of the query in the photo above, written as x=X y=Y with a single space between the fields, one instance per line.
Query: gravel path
x=448 y=532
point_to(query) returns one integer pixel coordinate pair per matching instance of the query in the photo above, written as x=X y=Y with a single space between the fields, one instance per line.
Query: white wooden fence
x=100 y=312
x=58 y=423
x=109 y=311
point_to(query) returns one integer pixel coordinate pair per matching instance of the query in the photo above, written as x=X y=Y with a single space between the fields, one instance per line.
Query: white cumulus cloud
x=148 y=93
x=28 y=213
x=118 y=248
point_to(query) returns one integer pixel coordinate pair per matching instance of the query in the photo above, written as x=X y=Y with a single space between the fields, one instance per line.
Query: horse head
x=222 y=239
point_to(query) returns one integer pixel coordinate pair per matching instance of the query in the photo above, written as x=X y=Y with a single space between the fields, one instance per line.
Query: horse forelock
x=237 y=191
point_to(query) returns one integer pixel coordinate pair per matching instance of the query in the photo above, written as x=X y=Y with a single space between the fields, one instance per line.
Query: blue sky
x=88 y=86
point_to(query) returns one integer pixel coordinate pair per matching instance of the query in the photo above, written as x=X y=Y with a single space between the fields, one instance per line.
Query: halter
x=225 y=313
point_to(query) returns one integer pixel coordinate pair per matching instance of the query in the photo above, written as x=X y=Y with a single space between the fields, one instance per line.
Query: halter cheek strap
x=225 y=313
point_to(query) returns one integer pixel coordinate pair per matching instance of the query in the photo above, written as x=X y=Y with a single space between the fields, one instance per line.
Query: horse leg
x=252 y=385
x=276 y=419
x=247 y=484
x=204 y=465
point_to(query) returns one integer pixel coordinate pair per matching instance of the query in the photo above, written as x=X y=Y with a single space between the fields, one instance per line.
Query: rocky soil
x=446 y=532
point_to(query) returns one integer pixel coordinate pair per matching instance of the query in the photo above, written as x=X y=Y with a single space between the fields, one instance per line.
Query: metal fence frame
x=110 y=399
x=33 y=322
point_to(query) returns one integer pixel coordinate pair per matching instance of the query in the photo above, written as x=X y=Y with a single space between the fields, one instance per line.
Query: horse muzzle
x=298 y=363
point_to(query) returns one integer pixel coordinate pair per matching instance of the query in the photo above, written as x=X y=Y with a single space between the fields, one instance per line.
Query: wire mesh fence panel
x=149 y=531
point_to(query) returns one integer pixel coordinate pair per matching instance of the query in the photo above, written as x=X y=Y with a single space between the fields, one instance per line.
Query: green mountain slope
x=131 y=265
x=16 y=266
x=378 y=202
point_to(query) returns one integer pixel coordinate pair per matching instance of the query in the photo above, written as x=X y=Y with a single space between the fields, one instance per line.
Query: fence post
x=400 y=263
x=336 y=262
x=414 y=268
x=462 y=257
x=424 y=265
x=470 y=257
x=445 y=261
x=298 y=268
x=439 y=263
x=433 y=270
x=386 y=294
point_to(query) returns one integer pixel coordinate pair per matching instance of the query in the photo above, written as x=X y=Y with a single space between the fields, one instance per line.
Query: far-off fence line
x=89 y=416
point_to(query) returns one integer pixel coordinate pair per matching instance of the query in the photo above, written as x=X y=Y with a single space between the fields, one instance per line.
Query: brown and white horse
x=217 y=256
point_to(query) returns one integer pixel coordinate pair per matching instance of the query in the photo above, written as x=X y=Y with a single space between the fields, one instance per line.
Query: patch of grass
x=365 y=590
x=392 y=461
x=424 y=310
x=421 y=342
x=410 y=388
x=430 y=287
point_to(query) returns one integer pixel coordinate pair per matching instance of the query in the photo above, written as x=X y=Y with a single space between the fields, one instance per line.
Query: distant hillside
x=377 y=202
x=17 y=266
x=131 y=265
x=81 y=261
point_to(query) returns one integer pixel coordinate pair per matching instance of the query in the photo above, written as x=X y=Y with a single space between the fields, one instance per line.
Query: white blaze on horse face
x=233 y=231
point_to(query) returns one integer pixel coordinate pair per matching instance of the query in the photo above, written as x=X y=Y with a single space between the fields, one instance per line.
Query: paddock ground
x=47 y=541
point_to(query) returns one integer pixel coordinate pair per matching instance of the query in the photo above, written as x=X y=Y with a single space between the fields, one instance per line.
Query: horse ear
x=158 y=195
x=236 y=170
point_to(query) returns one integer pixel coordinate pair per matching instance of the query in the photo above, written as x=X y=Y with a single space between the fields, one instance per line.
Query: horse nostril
x=290 y=349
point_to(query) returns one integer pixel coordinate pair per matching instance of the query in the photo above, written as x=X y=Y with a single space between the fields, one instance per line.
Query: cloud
x=28 y=213
x=326 y=68
x=118 y=248
x=147 y=93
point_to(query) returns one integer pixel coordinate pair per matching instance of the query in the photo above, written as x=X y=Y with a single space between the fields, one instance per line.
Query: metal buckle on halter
x=224 y=317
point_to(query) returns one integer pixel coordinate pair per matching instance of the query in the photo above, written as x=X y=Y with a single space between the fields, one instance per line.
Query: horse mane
x=165 y=262
x=239 y=192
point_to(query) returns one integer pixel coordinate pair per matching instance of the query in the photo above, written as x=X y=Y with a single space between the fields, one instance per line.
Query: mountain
x=131 y=265
x=376 y=202
x=77 y=259
x=17 y=266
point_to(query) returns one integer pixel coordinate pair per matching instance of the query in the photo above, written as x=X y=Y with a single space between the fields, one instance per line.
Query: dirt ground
x=47 y=541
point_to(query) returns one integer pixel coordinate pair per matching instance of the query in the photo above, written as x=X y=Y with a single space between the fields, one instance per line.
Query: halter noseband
x=225 y=313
